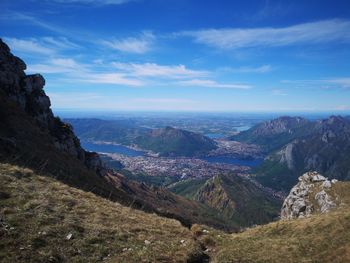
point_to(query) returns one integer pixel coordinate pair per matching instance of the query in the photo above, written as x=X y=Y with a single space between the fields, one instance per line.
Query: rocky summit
x=27 y=92
x=311 y=195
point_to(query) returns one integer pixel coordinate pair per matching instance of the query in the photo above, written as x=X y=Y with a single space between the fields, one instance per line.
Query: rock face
x=310 y=195
x=273 y=134
x=27 y=91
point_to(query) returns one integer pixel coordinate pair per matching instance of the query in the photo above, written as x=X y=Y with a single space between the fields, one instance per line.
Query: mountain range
x=299 y=145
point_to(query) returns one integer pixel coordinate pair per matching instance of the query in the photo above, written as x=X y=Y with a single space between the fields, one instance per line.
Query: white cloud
x=43 y=45
x=79 y=72
x=28 y=46
x=155 y=70
x=111 y=78
x=307 y=33
x=57 y=65
x=213 y=84
x=138 y=45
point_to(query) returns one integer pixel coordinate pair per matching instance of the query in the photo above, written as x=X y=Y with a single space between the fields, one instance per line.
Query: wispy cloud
x=74 y=71
x=156 y=70
x=43 y=46
x=111 y=78
x=28 y=46
x=138 y=45
x=22 y=17
x=307 y=33
x=212 y=84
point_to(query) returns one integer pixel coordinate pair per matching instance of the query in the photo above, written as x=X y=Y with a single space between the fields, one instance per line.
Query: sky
x=185 y=55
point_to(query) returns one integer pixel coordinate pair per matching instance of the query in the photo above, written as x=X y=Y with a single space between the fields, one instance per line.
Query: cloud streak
x=139 y=45
x=308 y=33
x=42 y=46
x=156 y=70
x=212 y=84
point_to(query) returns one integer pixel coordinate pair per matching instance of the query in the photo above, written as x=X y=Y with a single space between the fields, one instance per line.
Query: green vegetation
x=236 y=198
x=187 y=188
x=276 y=175
x=276 y=133
x=175 y=142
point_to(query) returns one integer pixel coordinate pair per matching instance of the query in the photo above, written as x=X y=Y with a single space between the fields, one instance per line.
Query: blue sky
x=185 y=55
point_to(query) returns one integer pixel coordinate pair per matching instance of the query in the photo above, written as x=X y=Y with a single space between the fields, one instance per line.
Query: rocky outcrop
x=27 y=91
x=310 y=195
x=280 y=125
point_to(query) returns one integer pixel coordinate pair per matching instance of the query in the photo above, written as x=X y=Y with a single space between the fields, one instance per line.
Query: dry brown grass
x=320 y=238
x=38 y=213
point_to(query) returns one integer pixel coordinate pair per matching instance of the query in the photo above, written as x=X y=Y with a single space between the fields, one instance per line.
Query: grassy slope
x=320 y=238
x=39 y=212
x=187 y=188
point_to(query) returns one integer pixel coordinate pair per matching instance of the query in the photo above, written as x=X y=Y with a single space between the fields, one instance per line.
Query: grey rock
x=298 y=204
x=28 y=92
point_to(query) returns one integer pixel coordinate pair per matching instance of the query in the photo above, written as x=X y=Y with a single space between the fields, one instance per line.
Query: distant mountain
x=325 y=149
x=169 y=141
x=166 y=141
x=235 y=197
x=275 y=133
x=116 y=131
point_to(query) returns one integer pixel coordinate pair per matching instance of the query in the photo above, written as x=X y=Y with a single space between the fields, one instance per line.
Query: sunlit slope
x=319 y=238
x=38 y=214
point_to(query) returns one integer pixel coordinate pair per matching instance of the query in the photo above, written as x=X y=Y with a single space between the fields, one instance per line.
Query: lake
x=111 y=148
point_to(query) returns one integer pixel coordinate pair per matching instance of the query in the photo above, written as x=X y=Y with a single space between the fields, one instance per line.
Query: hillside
x=43 y=220
x=275 y=133
x=326 y=150
x=235 y=197
x=169 y=141
x=320 y=237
